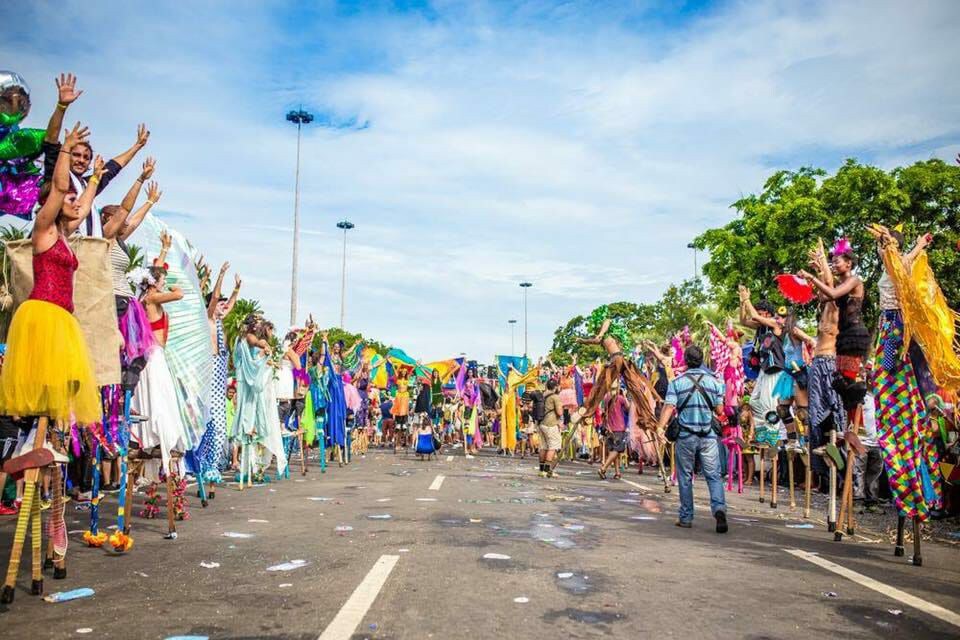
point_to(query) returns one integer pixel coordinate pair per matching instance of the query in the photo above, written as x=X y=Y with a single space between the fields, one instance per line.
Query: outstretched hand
x=154 y=193
x=67 y=88
x=166 y=241
x=75 y=136
x=148 y=166
x=143 y=135
x=744 y=293
x=98 y=167
x=236 y=281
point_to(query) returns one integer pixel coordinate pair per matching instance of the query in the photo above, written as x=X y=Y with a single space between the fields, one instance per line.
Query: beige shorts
x=549 y=437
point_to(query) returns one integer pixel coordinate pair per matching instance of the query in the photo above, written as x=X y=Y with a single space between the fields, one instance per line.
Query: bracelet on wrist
x=151 y=202
x=62 y=106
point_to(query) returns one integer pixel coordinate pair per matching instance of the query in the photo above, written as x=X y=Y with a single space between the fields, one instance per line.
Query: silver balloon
x=14 y=97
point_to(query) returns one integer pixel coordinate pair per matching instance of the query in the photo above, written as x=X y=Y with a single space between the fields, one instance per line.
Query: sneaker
x=8 y=511
x=45 y=504
x=721 y=517
x=683 y=525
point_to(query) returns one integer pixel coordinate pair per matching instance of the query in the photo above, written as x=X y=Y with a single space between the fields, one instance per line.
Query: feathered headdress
x=595 y=321
x=841 y=247
x=141 y=278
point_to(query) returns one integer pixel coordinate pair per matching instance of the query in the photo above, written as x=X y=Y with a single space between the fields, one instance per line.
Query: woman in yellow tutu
x=47 y=370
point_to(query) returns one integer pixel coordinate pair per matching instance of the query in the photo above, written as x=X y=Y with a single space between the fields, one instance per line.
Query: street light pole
x=696 y=270
x=525 y=286
x=300 y=117
x=513 y=326
x=346 y=225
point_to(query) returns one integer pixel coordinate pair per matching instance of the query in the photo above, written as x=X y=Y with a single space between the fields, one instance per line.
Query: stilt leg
x=844 y=501
x=807 y=479
x=917 y=559
x=739 y=469
x=763 y=455
x=898 y=549
x=23 y=518
x=774 y=478
x=36 y=538
x=793 y=493
x=832 y=512
x=171 y=525
x=322 y=439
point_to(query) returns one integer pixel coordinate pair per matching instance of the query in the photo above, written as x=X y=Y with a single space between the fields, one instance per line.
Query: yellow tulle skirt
x=47 y=370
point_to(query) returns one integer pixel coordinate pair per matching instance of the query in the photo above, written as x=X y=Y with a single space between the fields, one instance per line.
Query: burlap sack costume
x=94 y=305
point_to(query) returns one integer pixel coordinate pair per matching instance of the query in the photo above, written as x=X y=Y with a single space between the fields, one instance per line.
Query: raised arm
x=165 y=242
x=922 y=243
x=85 y=201
x=130 y=200
x=217 y=287
x=748 y=314
x=162 y=297
x=44 y=226
x=599 y=337
x=66 y=94
x=235 y=295
x=831 y=292
x=142 y=137
x=153 y=196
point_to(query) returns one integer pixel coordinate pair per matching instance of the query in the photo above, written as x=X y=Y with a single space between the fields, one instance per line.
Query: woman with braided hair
x=613 y=337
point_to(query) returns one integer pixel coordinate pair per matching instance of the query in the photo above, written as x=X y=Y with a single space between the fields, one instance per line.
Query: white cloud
x=581 y=149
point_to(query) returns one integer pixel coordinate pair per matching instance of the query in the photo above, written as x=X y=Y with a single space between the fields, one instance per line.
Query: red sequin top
x=53 y=275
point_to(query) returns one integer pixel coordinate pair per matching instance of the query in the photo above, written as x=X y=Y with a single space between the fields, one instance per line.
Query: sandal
x=602 y=474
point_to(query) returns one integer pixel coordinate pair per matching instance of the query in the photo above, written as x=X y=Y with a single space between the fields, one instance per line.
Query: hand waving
x=148 y=167
x=153 y=192
x=67 y=88
x=75 y=136
x=142 y=135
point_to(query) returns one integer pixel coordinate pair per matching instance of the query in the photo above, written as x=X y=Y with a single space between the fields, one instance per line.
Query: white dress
x=285 y=383
x=156 y=399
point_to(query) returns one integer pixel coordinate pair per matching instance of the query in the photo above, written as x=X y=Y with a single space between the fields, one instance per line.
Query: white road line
x=891 y=592
x=351 y=614
x=634 y=484
x=449 y=458
x=435 y=486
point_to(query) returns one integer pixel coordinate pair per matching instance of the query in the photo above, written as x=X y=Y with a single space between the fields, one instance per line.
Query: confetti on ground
x=342 y=528
x=642 y=518
x=234 y=534
x=255 y=521
x=285 y=585
x=495 y=556
x=564 y=575
x=384 y=499
x=403 y=550
x=830 y=594
x=573 y=527
x=318 y=499
x=85 y=630
x=802 y=525
x=426 y=499
x=288 y=566
x=209 y=565
x=380 y=516
x=521 y=600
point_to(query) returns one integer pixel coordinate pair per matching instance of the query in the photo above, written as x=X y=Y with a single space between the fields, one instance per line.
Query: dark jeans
x=867 y=470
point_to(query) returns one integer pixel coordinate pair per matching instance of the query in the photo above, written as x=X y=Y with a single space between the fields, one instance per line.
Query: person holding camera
x=695 y=400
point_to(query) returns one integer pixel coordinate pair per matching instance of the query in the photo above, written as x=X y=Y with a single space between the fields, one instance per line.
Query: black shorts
x=400 y=421
x=9 y=435
x=616 y=441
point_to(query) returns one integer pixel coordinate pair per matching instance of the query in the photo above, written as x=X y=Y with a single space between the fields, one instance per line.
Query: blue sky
x=578 y=145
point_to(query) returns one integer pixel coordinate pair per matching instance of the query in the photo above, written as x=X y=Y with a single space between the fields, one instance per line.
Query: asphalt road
x=574 y=557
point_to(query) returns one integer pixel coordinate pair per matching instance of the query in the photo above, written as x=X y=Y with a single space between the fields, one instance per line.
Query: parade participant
x=47 y=370
x=613 y=337
x=214 y=447
x=853 y=338
x=549 y=430
x=425 y=445
x=616 y=411
x=436 y=396
x=904 y=429
x=290 y=405
x=767 y=357
x=695 y=397
x=401 y=407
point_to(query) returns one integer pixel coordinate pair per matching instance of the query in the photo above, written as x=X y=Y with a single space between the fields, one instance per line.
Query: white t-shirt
x=869 y=438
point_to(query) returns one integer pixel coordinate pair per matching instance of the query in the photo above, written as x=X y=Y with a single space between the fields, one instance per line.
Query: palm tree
x=136 y=256
x=7 y=234
x=233 y=322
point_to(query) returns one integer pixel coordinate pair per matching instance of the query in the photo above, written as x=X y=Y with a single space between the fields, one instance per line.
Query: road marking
x=449 y=458
x=634 y=484
x=435 y=486
x=892 y=592
x=351 y=614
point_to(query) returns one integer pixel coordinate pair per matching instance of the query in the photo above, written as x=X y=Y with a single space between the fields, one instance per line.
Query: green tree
x=135 y=255
x=775 y=229
x=233 y=321
x=637 y=318
x=680 y=306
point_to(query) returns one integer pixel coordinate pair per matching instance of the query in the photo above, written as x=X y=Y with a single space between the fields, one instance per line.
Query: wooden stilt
x=807 y=479
x=775 y=477
x=36 y=543
x=171 y=525
x=792 y=490
x=763 y=454
x=846 y=500
x=27 y=511
x=832 y=513
x=917 y=559
x=898 y=549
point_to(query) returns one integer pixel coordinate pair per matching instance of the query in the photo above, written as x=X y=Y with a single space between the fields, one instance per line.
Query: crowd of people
x=157 y=394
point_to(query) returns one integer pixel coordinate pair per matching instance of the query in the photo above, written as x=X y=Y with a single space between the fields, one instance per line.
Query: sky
x=576 y=145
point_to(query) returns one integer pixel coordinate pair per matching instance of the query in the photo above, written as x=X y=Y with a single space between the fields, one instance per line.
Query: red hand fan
x=794 y=288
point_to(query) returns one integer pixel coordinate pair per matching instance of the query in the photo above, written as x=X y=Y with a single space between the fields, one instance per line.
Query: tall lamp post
x=346 y=225
x=696 y=270
x=513 y=326
x=300 y=118
x=525 y=286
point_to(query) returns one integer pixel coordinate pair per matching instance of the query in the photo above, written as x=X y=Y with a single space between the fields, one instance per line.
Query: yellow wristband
x=61 y=106
x=151 y=202
x=93 y=180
